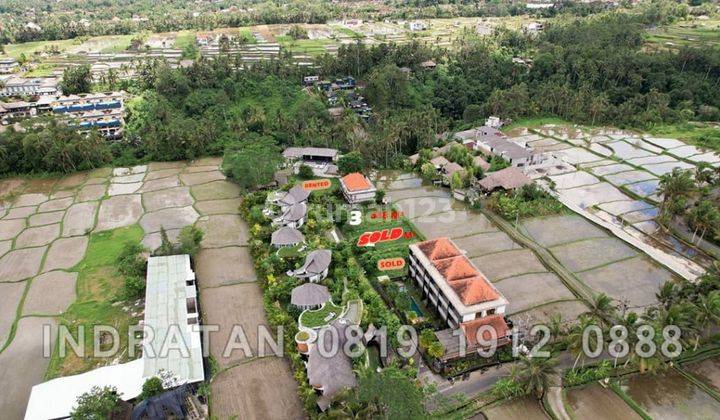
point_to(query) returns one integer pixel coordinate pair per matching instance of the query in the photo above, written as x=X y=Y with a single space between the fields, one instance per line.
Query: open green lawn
x=43 y=70
x=29 y=48
x=99 y=301
x=320 y=317
x=304 y=46
x=184 y=39
x=683 y=33
x=698 y=134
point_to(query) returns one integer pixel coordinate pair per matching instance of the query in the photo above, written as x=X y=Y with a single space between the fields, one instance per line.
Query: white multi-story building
x=452 y=284
x=8 y=65
x=39 y=86
x=357 y=188
x=104 y=111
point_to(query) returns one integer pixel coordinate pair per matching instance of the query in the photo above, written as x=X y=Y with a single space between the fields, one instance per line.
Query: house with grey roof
x=315 y=267
x=449 y=170
x=490 y=140
x=507 y=179
x=309 y=296
x=295 y=195
x=311 y=154
x=292 y=216
x=330 y=373
x=286 y=236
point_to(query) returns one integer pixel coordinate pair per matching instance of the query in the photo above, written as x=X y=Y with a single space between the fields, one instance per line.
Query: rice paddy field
x=685 y=33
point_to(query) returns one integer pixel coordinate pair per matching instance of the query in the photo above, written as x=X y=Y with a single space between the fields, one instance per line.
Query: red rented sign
x=317 y=184
x=390 y=264
x=385 y=235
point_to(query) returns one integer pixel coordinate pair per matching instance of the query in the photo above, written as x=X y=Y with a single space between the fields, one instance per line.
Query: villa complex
x=459 y=291
x=357 y=188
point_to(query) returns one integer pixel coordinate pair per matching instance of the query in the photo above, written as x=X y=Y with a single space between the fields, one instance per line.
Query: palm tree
x=702 y=217
x=574 y=338
x=707 y=311
x=668 y=293
x=534 y=373
x=345 y=405
x=602 y=309
x=679 y=183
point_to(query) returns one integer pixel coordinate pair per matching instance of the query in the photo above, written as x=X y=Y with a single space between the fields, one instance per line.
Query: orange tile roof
x=439 y=248
x=474 y=290
x=467 y=282
x=356 y=182
x=455 y=268
x=470 y=328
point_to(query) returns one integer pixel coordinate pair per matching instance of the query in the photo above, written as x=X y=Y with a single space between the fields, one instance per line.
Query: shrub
x=98 y=403
x=130 y=261
x=190 y=238
x=305 y=172
x=134 y=287
x=152 y=386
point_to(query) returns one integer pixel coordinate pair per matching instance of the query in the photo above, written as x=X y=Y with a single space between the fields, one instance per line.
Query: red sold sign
x=390 y=264
x=385 y=235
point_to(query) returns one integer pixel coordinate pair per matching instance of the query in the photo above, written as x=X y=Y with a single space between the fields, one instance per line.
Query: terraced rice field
x=601 y=261
x=614 y=175
x=535 y=294
x=44 y=229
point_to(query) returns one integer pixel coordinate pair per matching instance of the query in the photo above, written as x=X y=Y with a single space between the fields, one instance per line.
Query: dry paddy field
x=535 y=294
x=601 y=261
x=44 y=229
x=526 y=408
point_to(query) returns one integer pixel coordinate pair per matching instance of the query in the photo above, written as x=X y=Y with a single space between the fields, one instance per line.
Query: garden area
x=328 y=313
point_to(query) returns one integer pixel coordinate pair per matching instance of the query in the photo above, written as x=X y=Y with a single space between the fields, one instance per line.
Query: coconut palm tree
x=679 y=183
x=702 y=217
x=574 y=338
x=706 y=311
x=668 y=293
x=534 y=373
x=602 y=309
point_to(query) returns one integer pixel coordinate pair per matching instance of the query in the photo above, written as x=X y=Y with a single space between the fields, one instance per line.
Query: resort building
x=506 y=179
x=316 y=266
x=10 y=111
x=21 y=86
x=492 y=141
x=104 y=111
x=295 y=195
x=171 y=313
x=311 y=154
x=321 y=160
x=286 y=236
x=309 y=296
x=357 y=188
x=293 y=216
x=330 y=372
x=8 y=65
x=452 y=284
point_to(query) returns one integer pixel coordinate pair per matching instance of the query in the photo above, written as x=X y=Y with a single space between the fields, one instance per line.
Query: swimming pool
x=415 y=307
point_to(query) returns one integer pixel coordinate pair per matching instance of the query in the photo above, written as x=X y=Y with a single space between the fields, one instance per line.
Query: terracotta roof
x=439 y=161
x=356 y=182
x=479 y=161
x=439 y=248
x=496 y=321
x=474 y=290
x=468 y=283
x=455 y=268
